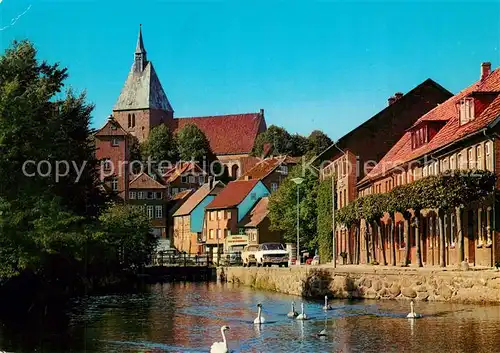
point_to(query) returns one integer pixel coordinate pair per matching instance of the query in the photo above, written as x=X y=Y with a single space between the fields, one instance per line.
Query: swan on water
x=293 y=313
x=221 y=347
x=413 y=314
x=303 y=315
x=327 y=306
x=259 y=319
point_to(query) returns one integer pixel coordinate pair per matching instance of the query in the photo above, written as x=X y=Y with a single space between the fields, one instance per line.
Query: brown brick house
x=184 y=176
x=461 y=133
x=271 y=171
x=255 y=225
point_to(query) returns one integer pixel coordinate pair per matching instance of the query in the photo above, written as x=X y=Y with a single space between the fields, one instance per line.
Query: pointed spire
x=140 y=59
x=139 y=49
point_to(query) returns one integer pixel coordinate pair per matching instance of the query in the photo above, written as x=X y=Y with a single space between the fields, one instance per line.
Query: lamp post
x=298 y=181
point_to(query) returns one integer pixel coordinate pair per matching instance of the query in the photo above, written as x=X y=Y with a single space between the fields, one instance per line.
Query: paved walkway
x=411 y=268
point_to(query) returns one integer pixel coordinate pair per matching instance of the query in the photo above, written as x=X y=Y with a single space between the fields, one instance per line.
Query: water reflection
x=186 y=317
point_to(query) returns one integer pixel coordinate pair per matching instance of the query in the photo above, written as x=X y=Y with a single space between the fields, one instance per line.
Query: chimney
x=398 y=95
x=485 y=70
x=391 y=100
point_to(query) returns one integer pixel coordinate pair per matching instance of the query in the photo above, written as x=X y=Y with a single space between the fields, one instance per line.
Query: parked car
x=248 y=255
x=230 y=259
x=271 y=254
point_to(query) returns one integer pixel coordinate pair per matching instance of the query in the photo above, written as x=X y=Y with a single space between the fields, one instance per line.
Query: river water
x=186 y=317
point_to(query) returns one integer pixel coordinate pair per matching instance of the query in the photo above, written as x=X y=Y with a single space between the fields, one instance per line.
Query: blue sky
x=325 y=65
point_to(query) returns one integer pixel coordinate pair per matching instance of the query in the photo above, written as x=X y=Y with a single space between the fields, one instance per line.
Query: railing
x=179 y=259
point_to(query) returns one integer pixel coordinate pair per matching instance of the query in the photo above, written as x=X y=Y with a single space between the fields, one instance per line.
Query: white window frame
x=115 y=142
x=158 y=195
x=114 y=184
x=487 y=155
x=470 y=158
x=150 y=210
x=132 y=195
x=174 y=191
x=466 y=110
x=191 y=179
x=158 y=212
x=274 y=187
x=140 y=195
x=479 y=157
x=228 y=214
x=201 y=179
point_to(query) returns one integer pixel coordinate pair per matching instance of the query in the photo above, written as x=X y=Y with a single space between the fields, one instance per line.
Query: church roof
x=143 y=90
x=228 y=134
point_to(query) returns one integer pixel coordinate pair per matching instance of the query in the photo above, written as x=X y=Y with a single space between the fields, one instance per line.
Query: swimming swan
x=412 y=314
x=220 y=347
x=302 y=316
x=259 y=319
x=293 y=313
x=327 y=306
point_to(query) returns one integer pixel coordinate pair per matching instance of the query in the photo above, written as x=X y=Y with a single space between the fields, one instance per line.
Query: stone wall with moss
x=371 y=283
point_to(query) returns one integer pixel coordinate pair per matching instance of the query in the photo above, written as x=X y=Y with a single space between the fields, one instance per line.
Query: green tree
x=324 y=220
x=299 y=145
x=161 y=145
x=125 y=231
x=318 y=141
x=278 y=138
x=283 y=208
x=193 y=144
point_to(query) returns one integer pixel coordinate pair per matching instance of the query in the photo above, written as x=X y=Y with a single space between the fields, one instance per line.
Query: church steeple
x=140 y=58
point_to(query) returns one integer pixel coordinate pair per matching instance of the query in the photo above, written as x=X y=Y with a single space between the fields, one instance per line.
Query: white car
x=271 y=254
x=248 y=255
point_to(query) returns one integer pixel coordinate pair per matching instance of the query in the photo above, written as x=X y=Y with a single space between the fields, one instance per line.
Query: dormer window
x=466 y=110
x=419 y=137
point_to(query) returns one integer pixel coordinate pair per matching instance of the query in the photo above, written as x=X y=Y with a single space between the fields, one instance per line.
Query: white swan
x=259 y=319
x=220 y=347
x=327 y=306
x=413 y=314
x=293 y=313
x=303 y=315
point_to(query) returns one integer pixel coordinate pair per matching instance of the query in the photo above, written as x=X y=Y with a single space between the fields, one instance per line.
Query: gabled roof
x=266 y=167
x=144 y=181
x=198 y=196
x=182 y=194
x=180 y=169
x=228 y=134
x=402 y=102
x=234 y=193
x=143 y=90
x=257 y=214
x=111 y=128
x=452 y=131
x=178 y=200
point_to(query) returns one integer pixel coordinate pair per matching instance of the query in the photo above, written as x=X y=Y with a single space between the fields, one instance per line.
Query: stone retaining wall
x=372 y=282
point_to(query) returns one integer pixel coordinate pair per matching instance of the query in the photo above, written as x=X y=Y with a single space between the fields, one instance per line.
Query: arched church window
x=129 y=120
x=133 y=120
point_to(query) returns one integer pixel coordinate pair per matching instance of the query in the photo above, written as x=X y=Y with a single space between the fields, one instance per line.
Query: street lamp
x=298 y=181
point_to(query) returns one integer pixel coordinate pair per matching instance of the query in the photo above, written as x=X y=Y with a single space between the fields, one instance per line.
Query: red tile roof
x=257 y=214
x=266 y=167
x=182 y=194
x=144 y=181
x=111 y=128
x=180 y=169
x=227 y=134
x=402 y=151
x=234 y=193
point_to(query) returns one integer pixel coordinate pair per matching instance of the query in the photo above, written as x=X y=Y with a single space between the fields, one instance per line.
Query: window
x=184 y=179
x=466 y=110
x=132 y=195
x=158 y=211
x=201 y=179
x=459 y=161
x=479 y=157
x=253 y=196
x=218 y=234
x=211 y=234
x=133 y=120
x=228 y=214
x=274 y=187
x=113 y=127
x=114 y=184
x=344 y=166
x=284 y=169
x=150 y=211
x=345 y=197
x=470 y=153
x=159 y=195
x=436 y=168
x=445 y=166
x=424 y=171
x=150 y=195
x=115 y=142
x=219 y=214
x=130 y=120
x=487 y=153
x=182 y=189
x=106 y=164
x=453 y=166
x=192 y=179
x=419 y=137
x=175 y=191
x=228 y=232
x=140 y=195
x=340 y=200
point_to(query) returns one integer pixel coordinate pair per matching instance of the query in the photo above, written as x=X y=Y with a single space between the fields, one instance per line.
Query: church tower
x=142 y=103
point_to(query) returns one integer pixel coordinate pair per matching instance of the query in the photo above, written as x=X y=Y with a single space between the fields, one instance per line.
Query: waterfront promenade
x=476 y=285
